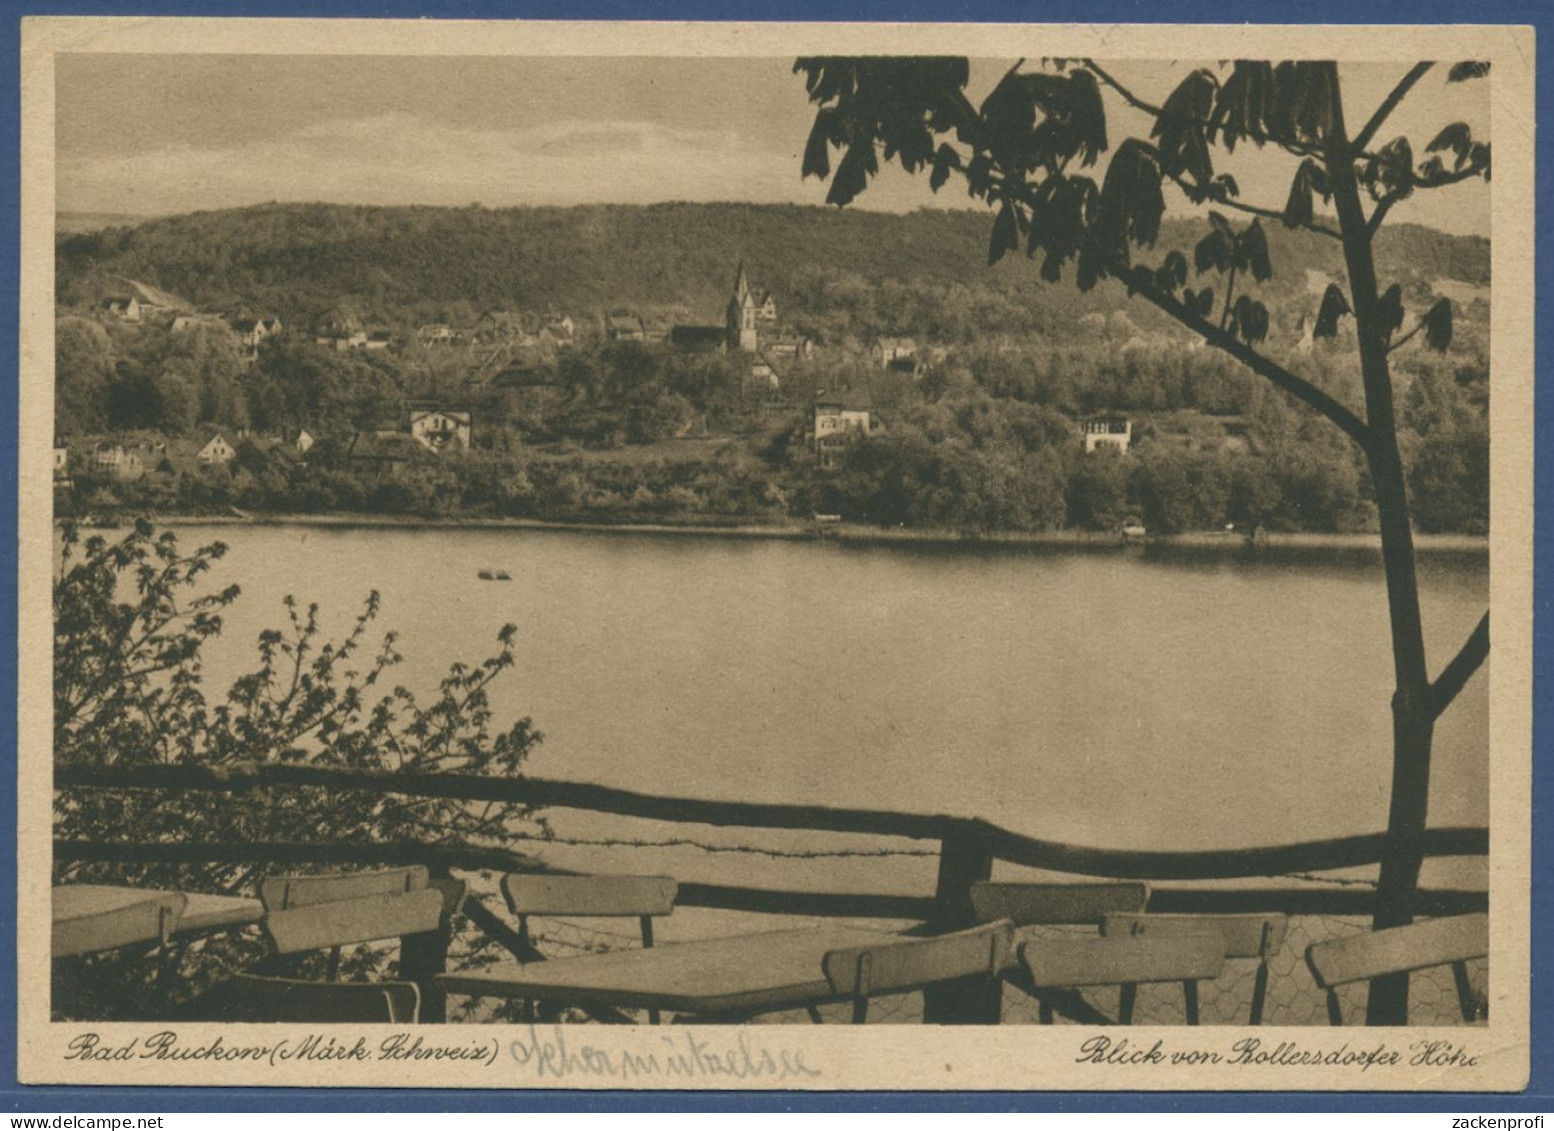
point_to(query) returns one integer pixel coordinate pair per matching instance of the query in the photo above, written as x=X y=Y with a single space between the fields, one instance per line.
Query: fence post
x=963 y=861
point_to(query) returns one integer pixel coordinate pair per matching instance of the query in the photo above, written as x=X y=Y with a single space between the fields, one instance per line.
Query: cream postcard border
x=908 y=1057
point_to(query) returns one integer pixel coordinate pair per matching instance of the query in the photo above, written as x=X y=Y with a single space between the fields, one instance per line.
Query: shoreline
x=852 y=533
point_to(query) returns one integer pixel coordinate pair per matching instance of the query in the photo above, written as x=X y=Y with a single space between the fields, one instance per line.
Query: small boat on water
x=494 y=575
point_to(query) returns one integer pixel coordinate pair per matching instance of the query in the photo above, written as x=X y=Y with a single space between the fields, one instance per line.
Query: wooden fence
x=967 y=849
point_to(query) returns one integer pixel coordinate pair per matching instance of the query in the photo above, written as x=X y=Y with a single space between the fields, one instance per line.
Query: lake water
x=1142 y=698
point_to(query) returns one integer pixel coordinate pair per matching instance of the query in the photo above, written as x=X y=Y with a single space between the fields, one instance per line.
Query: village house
x=122 y=461
x=61 y=464
x=141 y=302
x=1107 y=430
x=216 y=452
x=434 y=334
x=761 y=379
x=342 y=340
x=252 y=332
x=557 y=335
x=787 y=347
x=623 y=326
x=838 y=423
x=887 y=350
x=184 y=323
x=124 y=309
x=499 y=326
x=438 y=429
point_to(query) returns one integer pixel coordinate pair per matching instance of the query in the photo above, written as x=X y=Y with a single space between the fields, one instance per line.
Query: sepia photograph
x=685 y=557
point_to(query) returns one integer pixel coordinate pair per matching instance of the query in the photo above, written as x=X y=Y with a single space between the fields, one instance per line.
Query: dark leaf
x=1176 y=266
x=1254 y=323
x=1241 y=106
x=1395 y=167
x=943 y=161
x=1456 y=137
x=1182 y=128
x=1437 y=325
x=1087 y=115
x=858 y=164
x=1212 y=253
x=1253 y=246
x=1006 y=234
x=1390 y=310
x=1298 y=209
x=817 y=153
x=1131 y=203
x=1238 y=312
x=1203 y=302
x=1461 y=72
x=1334 y=306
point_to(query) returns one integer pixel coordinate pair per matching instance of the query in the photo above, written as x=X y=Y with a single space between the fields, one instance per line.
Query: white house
x=124 y=309
x=1108 y=430
x=438 y=429
x=836 y=425
x=887 y=350
x=217 y=452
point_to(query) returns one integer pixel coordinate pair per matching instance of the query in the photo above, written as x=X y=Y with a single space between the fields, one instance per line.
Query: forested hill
x=403 y=263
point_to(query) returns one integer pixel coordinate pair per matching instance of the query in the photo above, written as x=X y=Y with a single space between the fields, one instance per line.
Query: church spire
x=741 y=283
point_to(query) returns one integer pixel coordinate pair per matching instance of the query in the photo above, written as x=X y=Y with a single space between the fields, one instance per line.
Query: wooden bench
x=589 y=897
x=899 y=966
x=1245 y=936
x=1453 y=941
x=1077 y=963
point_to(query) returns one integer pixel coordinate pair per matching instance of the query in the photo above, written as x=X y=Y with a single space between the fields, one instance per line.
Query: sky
x=158 y=134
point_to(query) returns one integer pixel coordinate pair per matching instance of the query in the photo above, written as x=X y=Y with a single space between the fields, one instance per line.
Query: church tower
x=742 y=313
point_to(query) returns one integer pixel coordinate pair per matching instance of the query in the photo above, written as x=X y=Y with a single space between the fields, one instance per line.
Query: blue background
x=14 y=1097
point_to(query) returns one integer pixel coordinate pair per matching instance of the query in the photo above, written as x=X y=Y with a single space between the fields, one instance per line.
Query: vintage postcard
x=667 y=556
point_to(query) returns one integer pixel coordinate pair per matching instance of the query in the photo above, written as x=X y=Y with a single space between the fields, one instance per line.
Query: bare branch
x=1195 y=194
x=1441 y=180
x=1298 y=387
x=1399 y=92
x=1457 y=673
x=1379 y=213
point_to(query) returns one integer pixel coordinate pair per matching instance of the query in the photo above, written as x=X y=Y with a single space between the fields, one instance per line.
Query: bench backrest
x=1038 y=904
x=909 y=964
x=1434 y=942
x=281 y=893
x=253 y=998
x=589 y=896
x=387 y=915
x=1067 y=963
x=149 y=920
x=1246 y=936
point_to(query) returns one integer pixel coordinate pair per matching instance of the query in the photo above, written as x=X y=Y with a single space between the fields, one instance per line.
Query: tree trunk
x=1413 y=720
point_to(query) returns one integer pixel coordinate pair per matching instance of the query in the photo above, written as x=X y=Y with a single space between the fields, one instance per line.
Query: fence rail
x=989 y=839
